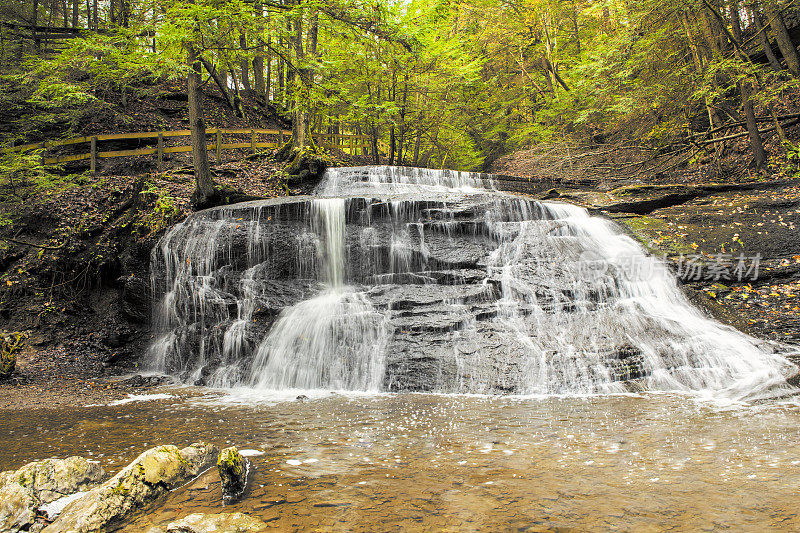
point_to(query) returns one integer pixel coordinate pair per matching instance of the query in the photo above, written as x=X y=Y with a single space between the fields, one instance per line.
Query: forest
x=440 y=84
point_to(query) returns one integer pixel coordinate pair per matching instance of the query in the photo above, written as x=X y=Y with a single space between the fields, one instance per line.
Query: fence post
x=94 y=154
x=253 y=141
x=161 y=151
x=280 y=137
x=219 y=146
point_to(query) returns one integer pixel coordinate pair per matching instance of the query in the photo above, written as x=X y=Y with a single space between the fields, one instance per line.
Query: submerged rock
x=152 y=473
x=35 y=484
x=233 y=469
x=216 y=523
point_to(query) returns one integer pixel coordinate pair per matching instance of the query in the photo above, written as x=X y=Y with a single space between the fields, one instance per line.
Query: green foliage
x=163 y=214
x=23 y=174
x=792 y=166
x=444 y=83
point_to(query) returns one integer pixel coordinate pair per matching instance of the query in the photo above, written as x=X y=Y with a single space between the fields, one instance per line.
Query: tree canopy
x=441 y=83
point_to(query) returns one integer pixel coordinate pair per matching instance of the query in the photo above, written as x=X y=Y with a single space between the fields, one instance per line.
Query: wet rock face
x=442 y=289
x=437 y=270
x=24 y=490
x=152 y=474
x=135 y=299
x=233 y=470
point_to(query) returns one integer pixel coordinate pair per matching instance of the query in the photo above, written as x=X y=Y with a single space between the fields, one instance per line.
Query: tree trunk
x=752 y=126
x=376 y=155
x=75 y=12
x=711 y=14
x=313 y=34
x=204 y=186
x=713 y=119
x=300 y=122
x=784 y=40
x=223 y=74
x=736 y=24
x=575 y=30
x=49 y=23
x=281 y=71
x=244 y=65
x=126 y=12
x=35 y=19
x=268 y=86
x=290 y=73
x=403 y=108
x=547 y=77
x=258 y=73
x=374 y=133
x=391 y=145
x=308 y=70
x=237 y=97
x=221 y=83
x=755 y=13
x=258 y=60
x=94 y=16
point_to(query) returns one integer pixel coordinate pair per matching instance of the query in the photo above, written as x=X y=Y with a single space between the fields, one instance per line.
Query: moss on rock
x=152 y=474
x=232 y=469
x=10 y=345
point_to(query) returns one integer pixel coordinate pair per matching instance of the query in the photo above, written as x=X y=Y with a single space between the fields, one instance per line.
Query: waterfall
x=394 y=279
x=328 y=222
x=351 y=181
x=332 y=341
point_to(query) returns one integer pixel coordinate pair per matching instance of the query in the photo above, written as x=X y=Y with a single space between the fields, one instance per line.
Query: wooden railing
x=348 y=143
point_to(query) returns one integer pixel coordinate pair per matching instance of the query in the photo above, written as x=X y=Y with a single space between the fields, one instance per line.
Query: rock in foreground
x=152 y=473
x=232 y=467
x=24 y=490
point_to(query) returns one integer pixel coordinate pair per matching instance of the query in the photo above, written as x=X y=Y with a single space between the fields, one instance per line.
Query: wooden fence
x=348 y=143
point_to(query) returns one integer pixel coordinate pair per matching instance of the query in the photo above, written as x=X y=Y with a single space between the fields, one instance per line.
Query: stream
x=393 y=462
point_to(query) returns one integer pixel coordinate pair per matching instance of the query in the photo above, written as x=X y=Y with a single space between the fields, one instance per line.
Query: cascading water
x=408 y=279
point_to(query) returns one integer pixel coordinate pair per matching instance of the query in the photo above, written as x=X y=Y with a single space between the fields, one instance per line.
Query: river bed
x=452 y=462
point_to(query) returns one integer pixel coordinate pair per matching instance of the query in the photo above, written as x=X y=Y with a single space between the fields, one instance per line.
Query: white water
x=333 y=341
x=328 y=221
x=567 y=304
x=351 y=181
